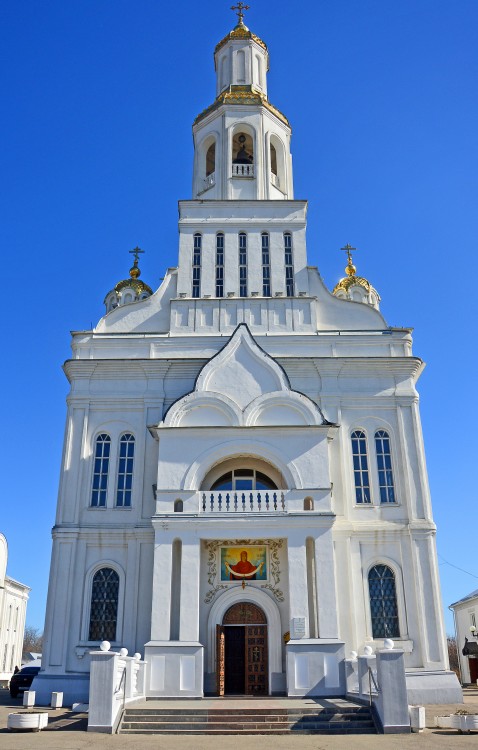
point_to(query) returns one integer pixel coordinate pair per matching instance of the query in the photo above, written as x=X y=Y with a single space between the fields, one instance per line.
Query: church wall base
x=174 y=669
x=75 y=688
x=315 y=667
x=433 y=687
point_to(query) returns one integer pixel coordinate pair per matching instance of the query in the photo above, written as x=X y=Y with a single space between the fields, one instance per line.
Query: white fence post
x=392 y=702
x=103 y=703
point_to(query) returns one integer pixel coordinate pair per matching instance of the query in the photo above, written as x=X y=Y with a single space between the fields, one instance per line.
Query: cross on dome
x=348 y=249
x=240 y=8
x=136 y=252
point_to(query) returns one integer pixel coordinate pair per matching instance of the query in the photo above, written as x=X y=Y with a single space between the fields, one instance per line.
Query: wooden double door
x=242 y=654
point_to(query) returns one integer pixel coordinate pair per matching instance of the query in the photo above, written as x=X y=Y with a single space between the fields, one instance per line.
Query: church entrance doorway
x=242 y=654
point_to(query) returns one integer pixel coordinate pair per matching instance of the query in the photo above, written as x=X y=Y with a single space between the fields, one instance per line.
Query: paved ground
x=67 y=731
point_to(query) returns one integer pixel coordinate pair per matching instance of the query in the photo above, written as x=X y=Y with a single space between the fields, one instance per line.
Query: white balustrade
x=210 y=181
x=275 y=180
x=246 y=501
x=243 y=170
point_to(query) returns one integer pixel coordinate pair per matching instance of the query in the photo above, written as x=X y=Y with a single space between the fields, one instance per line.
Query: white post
x=29 y=698
x=365 y=662
x=56 y=700
x=103 y=701
x=392 y=704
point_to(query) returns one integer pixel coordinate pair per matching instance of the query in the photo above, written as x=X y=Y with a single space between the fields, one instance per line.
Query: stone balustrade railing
x=243 y=170
x=246 y=501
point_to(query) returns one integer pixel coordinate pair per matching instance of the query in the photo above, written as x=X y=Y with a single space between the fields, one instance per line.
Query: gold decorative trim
x=240 y=32
x=242 y=95
x=274 y=545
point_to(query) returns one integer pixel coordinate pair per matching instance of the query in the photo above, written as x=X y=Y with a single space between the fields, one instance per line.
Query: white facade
x=249 y=394
x=466 y=628
x=13 y=609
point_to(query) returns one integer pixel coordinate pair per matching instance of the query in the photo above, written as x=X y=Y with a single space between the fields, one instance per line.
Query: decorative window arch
x=289 y=265
x=178 y=506
x=197 y=248
x=266 y=265
x=124 y=484
x=220 y=264
x=101 y=470
x=360 y=463
x=104 y=605
x=384 y=466
x=383 y=602
x=242 y=264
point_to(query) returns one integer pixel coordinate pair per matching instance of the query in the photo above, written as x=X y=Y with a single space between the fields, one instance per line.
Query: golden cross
x=240 y=7
x=136 y=252
x=348 y=249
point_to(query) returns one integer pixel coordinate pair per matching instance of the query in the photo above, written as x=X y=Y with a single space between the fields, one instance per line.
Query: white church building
x=13 y=611
x=243 y=496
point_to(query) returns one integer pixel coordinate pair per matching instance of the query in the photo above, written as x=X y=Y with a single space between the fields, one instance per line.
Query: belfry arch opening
x=242 y=154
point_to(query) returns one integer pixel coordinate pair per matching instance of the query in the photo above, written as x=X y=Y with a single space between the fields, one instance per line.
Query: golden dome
x=240 y=32
x=351 y=279
x=133 y=282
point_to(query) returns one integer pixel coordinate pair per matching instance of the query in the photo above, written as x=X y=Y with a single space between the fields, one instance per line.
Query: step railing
x=246 y=501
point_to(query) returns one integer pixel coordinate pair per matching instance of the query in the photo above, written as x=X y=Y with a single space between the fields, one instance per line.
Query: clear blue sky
x=98 y=100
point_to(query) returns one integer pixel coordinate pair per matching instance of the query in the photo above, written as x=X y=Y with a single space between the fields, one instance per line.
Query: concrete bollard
x=29 y=698
x=56 y=700
x=417 y=718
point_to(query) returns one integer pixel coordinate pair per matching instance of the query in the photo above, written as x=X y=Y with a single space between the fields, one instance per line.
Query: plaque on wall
x=298 y=628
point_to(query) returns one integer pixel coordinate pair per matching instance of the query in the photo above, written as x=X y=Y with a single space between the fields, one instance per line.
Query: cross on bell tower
x=240 y=8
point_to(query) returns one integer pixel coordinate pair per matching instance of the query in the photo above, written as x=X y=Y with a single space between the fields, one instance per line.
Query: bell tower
x=241 y=141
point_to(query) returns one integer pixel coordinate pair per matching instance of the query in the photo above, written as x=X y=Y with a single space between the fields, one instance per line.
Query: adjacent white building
x=243 y=495
x=13 y=609
x=465 y=612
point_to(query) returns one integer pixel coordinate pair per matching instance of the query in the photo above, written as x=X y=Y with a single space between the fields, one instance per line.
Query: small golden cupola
x=129 y=290
x=353 y=287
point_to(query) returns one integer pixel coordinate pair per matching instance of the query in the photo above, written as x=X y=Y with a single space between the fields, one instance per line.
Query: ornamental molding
x=274 y=573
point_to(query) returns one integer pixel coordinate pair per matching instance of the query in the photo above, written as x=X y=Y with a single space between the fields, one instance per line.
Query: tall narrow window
x=197 y=265
x=289 y=266
x=100 y=471
x=104 y=605
x=383 y=602
x=384 y=464
x=266 y=266
x=125 y=471
x=243 y=264
x=211 y=159
x=361 y=477
x=219 y=265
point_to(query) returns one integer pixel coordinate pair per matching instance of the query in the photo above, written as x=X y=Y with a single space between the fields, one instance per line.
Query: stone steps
x=340 y=720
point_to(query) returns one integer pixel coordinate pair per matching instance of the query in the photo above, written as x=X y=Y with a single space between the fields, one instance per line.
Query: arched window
x=243 y=264
x=211 y=159
x=361 y=477
x=266 y=266
x=219 y=265
x=197 y=265
x=104 y=605
x=308 y=503
x=100 y=471
x=242 y=155
x=244 y=479
x=289 y=265
x=125 y=471
x=383 y=602
x=178 y=506
x=273 y=160
x=384 y=465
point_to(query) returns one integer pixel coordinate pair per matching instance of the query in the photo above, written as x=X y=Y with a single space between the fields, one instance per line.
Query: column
x=189 y=607
x=161 y=606
x=298 y=593
x=325 y=584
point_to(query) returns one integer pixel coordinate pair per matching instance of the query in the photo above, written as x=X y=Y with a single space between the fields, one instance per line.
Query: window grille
x=266 y=266
x=125 y=471
x=383 y=602
x=100 y=471
x=243 y=264
x=104 y=605
x=220 y=265
x=289 y=266
x=360 y=462
x=197 y=265
x=384 y=465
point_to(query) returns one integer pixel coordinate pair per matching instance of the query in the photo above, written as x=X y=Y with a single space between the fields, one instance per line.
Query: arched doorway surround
x=254 y=595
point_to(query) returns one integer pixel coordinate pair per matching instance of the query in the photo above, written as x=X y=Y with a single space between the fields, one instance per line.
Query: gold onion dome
x=351 y=279
x=133 y=282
